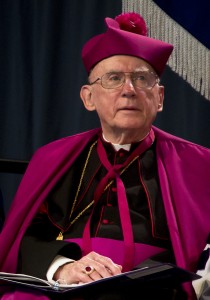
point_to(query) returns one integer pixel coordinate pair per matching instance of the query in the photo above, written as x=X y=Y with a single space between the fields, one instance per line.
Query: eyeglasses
x=139 y=79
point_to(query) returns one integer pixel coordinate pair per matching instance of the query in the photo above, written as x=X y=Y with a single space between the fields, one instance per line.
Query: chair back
x=11 y=172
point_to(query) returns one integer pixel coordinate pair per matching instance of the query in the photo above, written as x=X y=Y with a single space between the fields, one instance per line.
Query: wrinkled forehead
x=120 y=63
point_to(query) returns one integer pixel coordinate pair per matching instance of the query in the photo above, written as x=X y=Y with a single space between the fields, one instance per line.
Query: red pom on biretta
x=132 y=22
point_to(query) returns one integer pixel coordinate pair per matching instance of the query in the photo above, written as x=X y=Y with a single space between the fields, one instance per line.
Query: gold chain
x=60 y=236
x=80 y=183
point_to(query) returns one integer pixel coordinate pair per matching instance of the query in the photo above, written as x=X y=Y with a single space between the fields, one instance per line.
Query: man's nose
x=128 y=83
x=128 y=88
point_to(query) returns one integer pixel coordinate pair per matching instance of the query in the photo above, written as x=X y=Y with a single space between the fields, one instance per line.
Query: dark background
x=41 y=73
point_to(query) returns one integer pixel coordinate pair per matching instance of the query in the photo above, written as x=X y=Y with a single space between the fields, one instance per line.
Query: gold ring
x=89 y=270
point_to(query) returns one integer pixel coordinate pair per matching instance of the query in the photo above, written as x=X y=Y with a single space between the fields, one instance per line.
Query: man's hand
x=89 y=268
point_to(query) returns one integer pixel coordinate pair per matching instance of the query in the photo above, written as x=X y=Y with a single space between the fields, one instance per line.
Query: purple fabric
x=36 y=184
x=116 y=249
x=113 y=172
x=184 y=172
x=116 y=41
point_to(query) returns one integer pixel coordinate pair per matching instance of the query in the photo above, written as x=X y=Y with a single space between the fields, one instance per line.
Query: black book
x=161 y=275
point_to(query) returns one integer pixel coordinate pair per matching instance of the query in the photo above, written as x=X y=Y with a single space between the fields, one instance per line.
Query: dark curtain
x=186 y=113
x=41 y=73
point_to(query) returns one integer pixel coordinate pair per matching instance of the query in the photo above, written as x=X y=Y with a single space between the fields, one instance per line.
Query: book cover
x=160 y=275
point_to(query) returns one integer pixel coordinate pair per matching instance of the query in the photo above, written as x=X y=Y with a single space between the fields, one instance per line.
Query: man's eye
x=114 y=77
x=139 y=77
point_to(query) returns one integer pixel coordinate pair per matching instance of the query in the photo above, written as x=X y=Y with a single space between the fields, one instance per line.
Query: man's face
x=126 y=108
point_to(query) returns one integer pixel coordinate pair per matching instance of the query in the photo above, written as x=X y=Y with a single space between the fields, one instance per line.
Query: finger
x=106 y=262
x=74 y=273
x=104 y=267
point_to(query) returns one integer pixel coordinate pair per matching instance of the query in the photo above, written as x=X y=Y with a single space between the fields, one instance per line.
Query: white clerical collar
x=118 y=146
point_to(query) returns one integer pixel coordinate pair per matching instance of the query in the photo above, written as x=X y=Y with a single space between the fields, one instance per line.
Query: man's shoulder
x=62 y=150
x=166 y=137
x=69 y=141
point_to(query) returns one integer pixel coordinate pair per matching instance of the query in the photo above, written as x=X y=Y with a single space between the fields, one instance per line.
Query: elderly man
x=101 y=202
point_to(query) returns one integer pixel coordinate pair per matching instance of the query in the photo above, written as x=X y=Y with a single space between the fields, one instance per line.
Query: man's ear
x=86 y=96
x=161 y=98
